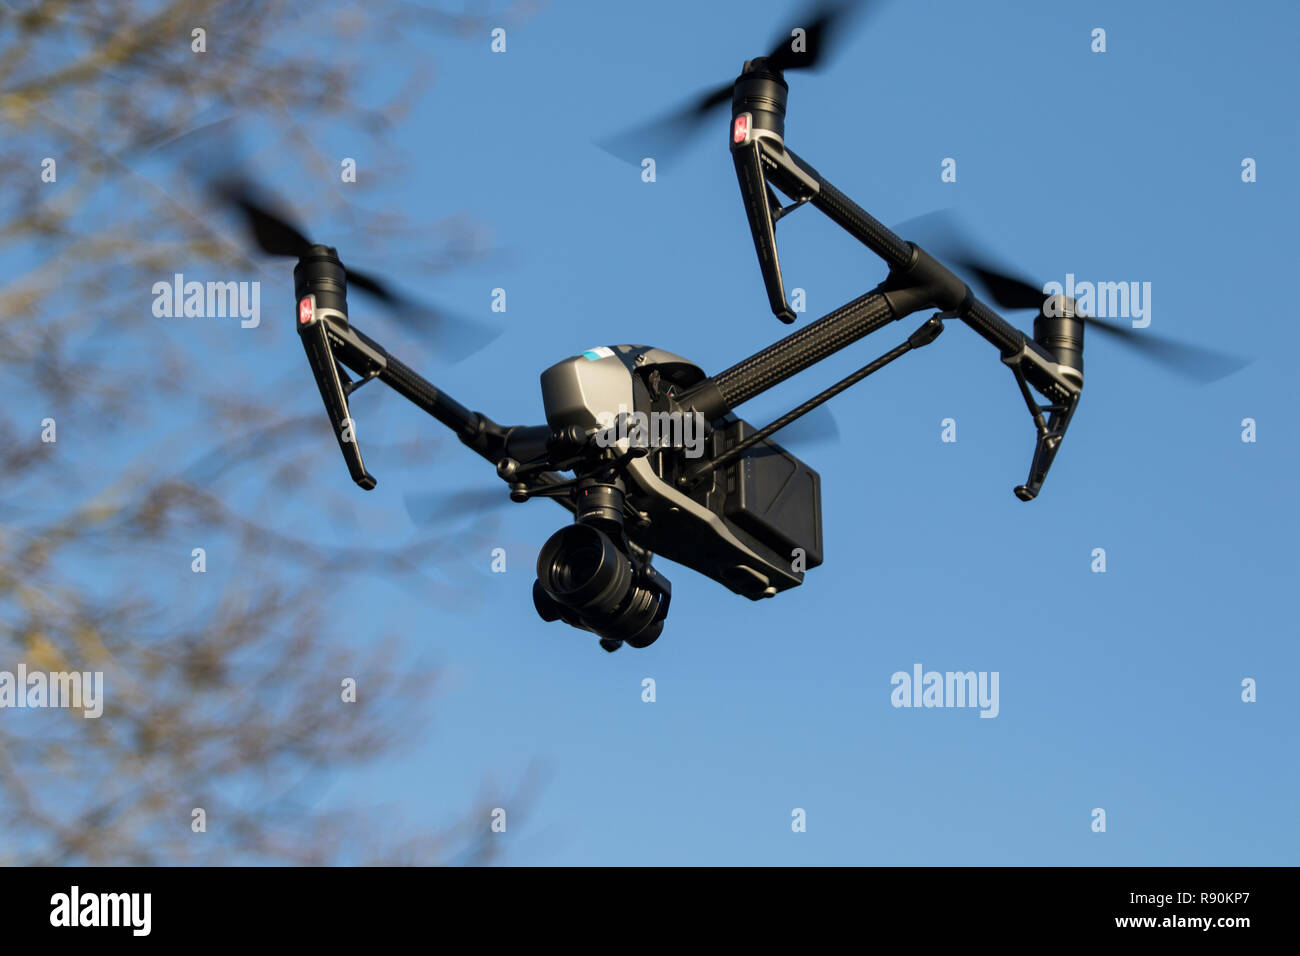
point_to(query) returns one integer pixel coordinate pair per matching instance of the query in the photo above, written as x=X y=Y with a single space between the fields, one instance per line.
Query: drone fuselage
x=753 y=526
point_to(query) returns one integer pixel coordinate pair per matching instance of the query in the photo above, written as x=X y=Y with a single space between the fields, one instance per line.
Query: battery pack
x=774 y=496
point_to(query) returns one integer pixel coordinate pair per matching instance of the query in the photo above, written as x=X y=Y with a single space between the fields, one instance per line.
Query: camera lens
x=580 y=567
x=586 y=580
x=577 y=567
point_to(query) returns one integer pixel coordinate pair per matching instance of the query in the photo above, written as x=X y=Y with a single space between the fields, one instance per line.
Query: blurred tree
x=223 y=689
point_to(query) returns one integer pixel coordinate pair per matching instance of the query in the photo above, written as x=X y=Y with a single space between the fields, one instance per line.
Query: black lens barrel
x=584 y=578
x=580 y=567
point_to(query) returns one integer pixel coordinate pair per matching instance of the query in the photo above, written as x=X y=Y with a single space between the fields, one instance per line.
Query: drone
x=743 y=511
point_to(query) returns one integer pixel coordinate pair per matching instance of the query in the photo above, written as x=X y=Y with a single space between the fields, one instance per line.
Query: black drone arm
x=911 y=269
x=841 y=328
x=492 y=441
x=916 y=281
x=794 y=353
x=332 y=342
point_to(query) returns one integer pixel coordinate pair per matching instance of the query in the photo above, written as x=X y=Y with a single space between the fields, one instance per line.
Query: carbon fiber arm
x=798 y=351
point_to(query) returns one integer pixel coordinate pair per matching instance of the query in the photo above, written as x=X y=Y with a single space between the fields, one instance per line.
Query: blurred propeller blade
x=273 y=233
x=454 y=336
x=940 y=235
x=1008 y=291
x=426 y=508
x=367 y=283
x=817 y=427
x=823 y=24
x=1194 y=362
x=669 y=133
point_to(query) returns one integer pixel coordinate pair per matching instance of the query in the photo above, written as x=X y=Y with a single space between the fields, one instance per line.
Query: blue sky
x=1118 y=690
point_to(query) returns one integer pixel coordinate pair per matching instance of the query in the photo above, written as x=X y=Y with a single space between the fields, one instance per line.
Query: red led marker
x=305 y=310
x=742 y=128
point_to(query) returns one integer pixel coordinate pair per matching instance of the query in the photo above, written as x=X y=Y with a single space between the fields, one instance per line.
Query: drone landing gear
x=1050 y=432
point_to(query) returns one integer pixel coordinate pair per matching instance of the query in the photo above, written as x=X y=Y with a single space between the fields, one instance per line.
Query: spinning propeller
x=824 y=24
x=205 y=153
x=274 y=234
x=939 y=235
